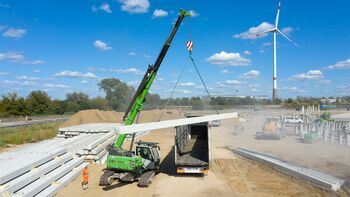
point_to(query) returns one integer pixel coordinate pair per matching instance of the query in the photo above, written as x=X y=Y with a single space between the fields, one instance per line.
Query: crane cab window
x=145 y=153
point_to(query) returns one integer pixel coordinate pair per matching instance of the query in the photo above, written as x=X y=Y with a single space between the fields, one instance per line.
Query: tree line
x=118 y=96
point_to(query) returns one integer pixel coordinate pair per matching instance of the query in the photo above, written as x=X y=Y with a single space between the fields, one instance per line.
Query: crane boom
x=147 y=81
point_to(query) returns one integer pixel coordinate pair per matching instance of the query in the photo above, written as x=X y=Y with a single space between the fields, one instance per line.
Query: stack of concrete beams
x=89 y=141
x=89 y=128
x=41 y=169
x=313 y=176
x=44 y=168
x=95 y=150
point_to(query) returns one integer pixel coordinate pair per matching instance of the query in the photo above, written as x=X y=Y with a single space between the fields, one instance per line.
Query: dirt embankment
x=93 y=116
x=98 y=116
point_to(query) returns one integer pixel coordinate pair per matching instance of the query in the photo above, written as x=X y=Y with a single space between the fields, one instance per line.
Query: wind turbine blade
x=264 y=32
x=278 y=14
x=287 y=37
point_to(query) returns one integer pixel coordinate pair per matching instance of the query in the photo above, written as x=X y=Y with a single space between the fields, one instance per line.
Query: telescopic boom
x=146 y=83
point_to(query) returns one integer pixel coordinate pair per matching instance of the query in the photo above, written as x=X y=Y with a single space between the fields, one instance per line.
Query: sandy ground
x=329 y=158
x=230 y=175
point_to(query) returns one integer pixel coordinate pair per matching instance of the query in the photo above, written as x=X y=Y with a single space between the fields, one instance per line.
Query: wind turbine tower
x=274 y=31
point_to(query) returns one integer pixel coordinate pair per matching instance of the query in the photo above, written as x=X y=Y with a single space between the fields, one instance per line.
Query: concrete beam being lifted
x=126 y=129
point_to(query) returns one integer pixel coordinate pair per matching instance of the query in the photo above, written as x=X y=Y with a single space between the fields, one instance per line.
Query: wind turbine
x=275 y=30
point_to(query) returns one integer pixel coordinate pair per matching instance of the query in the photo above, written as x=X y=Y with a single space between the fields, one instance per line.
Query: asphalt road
x=30 y=122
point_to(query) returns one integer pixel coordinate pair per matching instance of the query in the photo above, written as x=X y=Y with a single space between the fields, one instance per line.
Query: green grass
x=33 y=133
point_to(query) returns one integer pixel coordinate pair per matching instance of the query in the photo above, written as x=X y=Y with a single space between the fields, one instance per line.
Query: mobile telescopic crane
x=142 y=164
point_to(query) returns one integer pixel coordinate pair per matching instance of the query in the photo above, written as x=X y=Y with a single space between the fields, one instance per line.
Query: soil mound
x=93 y=116
x=98 y=116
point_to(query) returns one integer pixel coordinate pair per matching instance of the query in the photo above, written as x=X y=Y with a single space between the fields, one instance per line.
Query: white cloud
x=16 y=57
x=132 y=53
x=287 y=30
x=101 y=45
x=94 y=8
x=220 y=85
x=193 y=13
x=14 y=33
x=229 y=83
x=159 y=13
x=9 y=83
x=253 y=85
x=75 y=74
x=293 y=89
x=11 y=56
x=344 y=88
x=225 y=71
x=229 y=59
x=84 y=82
x=25 y=77
x=186 y=84
x=133 y=71
x=265 y=44
x=56 y=86
x=133 y=83
x=253 y=74
x=310 y=75
x=146 y=56
x=105 y=7
x=232 y=82
x=253 y=32
x=183 y=91
x=325 y=82
x=290 y=88
x=33 y=62
x=28 y=83
x=4 y=73
x=91 y=68
x=345 y=64
x=246 y=52
x=135 y=6
x=36 y=71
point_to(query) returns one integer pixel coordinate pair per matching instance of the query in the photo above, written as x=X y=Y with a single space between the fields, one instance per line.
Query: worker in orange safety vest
x=85 y=181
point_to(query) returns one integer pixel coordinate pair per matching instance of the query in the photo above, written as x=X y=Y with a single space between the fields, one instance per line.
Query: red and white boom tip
x=189 y=45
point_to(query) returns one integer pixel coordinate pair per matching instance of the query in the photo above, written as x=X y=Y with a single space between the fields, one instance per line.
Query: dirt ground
x=230 y=175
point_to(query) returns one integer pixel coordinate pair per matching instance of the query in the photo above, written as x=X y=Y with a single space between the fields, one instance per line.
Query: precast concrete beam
x=309 y=175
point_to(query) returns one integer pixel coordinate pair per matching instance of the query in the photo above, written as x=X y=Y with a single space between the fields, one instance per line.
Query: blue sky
x=64 y=46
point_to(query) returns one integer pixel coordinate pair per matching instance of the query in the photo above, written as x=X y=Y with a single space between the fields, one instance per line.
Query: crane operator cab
x=149 y=152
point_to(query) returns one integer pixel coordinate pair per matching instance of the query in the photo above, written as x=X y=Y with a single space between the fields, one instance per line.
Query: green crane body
x=123 y=160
